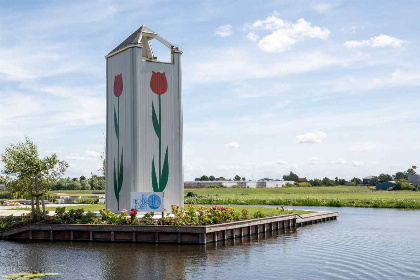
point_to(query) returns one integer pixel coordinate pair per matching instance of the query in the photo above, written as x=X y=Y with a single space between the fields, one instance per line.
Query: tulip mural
x=159 y=85
x=119 y=172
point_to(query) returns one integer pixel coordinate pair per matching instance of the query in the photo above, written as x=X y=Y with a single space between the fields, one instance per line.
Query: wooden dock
x=166 y=234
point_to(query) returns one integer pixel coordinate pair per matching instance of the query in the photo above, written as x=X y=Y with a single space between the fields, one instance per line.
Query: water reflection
x=362 y=244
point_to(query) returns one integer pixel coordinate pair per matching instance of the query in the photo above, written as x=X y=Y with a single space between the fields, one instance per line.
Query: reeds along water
x=306 y=201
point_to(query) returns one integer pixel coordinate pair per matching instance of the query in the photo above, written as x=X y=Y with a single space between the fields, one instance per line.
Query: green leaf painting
x=159 y=86
x=119 y=167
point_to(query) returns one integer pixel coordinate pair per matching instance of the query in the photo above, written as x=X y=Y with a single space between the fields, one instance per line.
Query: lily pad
x=28 y=276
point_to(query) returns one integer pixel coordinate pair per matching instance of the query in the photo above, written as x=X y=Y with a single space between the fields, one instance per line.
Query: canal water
x=362 y=244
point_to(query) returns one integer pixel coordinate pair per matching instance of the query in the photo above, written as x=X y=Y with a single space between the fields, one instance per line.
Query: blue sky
x=323 y=88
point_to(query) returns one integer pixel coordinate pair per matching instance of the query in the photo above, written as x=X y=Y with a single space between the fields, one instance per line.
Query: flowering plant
x=133 y=214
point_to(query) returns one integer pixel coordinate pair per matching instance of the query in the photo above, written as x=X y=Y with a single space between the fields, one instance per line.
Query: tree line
x=324 y=181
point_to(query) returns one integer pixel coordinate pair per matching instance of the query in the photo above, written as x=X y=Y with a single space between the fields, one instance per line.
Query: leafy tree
x=403 y=184
x=76 y=185
x=400 y=175
x=315 y=182
x=82 y=178
x=243 y=179
x=237 y=178
x=411 y=171
x=374 y=181
x=204 y=178
x=327 y=182
x=342 y=182
x=85 y=184
x=291 y=177
x=212 y=178
x=26 y=172
x=356 y=181
x=384 y=178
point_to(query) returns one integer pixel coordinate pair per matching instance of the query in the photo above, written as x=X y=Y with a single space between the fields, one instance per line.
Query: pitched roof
x=135 y=39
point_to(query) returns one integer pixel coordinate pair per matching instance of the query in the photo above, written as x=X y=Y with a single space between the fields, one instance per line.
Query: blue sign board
x=147 y=201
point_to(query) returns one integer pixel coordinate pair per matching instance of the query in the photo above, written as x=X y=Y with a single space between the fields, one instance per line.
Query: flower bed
x=189 y=215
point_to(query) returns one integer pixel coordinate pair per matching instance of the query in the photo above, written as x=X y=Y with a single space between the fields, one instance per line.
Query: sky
x=320 y=88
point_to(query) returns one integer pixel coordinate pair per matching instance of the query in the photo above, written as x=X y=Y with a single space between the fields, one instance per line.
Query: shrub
x=403 y=184
x=108 y=217
x=216 y=187
x=259 y=214
x=86 y=201
x=148 y=218
x=303 y=184
x=245 y=214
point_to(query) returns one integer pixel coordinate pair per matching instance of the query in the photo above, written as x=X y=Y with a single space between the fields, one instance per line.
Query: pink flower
x=124 y=211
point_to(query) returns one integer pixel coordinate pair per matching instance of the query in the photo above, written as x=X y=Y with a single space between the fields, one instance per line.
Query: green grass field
x=308 y=196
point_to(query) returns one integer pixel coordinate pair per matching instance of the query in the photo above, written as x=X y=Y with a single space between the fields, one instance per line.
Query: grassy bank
x=341 y=196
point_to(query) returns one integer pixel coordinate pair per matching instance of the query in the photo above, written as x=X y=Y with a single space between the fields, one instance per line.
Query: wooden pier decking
x=166 y=234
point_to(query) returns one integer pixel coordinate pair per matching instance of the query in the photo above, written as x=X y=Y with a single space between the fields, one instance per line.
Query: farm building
x=414 y=179
x=386 y=185
x=243 y=184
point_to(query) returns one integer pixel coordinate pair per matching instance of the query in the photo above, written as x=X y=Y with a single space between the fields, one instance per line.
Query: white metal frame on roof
x=142 y=40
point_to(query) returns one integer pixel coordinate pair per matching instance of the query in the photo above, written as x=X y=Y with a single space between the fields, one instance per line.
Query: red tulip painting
x=158 y=83
x=159 y=86
x=118 y=85
x=119 y=171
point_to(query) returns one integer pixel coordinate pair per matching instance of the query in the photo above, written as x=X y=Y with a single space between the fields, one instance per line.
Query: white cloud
x=247 y=90
x=356 y=163
x=92 y=153
x=224 y=30
x=352 y=29
x=232 y=145
x=282 y=162
x=322 y=7
x=363 y=147
x=87 y=155
x=252 y=36
x=380 y=41
x=76 y=156
x=362 y=83
x=339 y=161
x=242 y=66
x=314 y=161
x=284 y=34
x=312 y=137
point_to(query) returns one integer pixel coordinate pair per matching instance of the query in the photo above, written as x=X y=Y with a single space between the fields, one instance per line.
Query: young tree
x=356 y=181
x=237 y=178
x=26 y=172
x=384 y=178
x=411 y=171
x=400 y=175
x=204 y=178
x=291 y=177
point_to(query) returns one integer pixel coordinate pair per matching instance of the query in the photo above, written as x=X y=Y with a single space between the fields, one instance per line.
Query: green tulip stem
x=160 y=141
